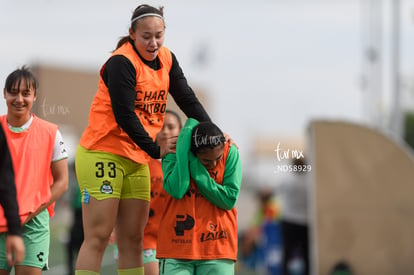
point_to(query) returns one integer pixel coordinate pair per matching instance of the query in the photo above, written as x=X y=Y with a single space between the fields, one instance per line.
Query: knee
x=98 y=240
x=133 y=240
x=135 y=237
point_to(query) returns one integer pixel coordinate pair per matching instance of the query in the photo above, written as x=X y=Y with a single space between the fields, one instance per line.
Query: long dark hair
x=140 y=10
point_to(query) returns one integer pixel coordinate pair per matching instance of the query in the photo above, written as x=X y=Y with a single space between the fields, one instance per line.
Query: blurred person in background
x=39 y=159
x=198 y=232
x=13 y=249
x=113 y=153
x=293 y=196
x=262 y=235
x=76 y=229
x=171 y=128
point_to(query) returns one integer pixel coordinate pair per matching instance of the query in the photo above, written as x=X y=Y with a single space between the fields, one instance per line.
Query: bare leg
x=27 y=270
x=151 y=268
x=99 y=218
x=132 y=218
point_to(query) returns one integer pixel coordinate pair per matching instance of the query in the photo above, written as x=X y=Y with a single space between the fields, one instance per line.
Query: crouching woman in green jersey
x=199 y=227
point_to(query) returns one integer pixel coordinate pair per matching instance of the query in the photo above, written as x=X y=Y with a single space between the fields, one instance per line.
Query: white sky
x=271 y=65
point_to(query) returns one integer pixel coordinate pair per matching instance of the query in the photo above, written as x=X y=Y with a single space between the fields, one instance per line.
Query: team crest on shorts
x=106 y=187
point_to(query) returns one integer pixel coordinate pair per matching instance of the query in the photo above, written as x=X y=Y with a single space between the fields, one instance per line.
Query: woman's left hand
x=169 y=146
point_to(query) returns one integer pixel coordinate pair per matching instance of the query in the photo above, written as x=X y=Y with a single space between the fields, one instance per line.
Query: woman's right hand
x=15 y=249
x=169 y=146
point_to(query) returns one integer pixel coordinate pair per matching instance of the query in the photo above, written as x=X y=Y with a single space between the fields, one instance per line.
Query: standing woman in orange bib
x=39 y=159
x=113 y=153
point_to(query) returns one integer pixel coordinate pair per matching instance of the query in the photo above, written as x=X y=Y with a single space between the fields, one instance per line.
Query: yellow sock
x=131 y=271
x=85 y=272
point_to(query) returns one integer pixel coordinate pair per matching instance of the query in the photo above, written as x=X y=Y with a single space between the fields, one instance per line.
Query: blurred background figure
x=76 y=228
x=171 y=128
x=293 y=194
x=260 y=244
x=341 y=268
